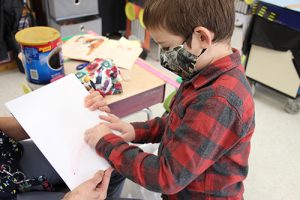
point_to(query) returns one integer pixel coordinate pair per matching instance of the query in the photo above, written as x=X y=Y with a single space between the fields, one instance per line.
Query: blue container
x=42 y=54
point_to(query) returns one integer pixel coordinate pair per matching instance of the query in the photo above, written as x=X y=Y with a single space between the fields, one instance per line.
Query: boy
x=205 y=140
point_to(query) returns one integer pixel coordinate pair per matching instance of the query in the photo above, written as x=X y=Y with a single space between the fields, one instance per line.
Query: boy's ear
x=204 y=36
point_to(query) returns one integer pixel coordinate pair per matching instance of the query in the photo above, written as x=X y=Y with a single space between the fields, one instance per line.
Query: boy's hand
x=95 y=101
x=115 y=123
x=94 y=134
x=93 y=189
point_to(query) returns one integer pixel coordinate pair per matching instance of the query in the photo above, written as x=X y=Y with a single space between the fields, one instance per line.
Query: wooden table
x=141 y=89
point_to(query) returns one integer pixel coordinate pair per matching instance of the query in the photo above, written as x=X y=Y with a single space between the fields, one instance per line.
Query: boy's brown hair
x=181 y=17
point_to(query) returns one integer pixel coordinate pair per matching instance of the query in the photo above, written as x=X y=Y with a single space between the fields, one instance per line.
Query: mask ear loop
x=202 y=52
x=187 y=38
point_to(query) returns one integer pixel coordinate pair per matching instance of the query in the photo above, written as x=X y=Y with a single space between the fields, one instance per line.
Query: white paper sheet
x=55 y=118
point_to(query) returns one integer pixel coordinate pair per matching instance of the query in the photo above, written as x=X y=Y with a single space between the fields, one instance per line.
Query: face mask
x=180 y=61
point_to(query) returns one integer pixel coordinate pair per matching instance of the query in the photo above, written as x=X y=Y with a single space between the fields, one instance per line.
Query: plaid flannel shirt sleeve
x=205 y=133
x=150 y=131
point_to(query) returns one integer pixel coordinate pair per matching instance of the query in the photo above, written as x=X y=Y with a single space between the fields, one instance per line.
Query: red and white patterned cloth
x=102 y=75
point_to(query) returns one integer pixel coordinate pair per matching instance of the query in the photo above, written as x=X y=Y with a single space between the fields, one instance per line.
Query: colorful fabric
x=12 y=179
x=204 y=141
x=101 y=75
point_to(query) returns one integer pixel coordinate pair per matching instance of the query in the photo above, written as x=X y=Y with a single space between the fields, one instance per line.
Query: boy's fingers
x=91 y=95
x=87 y=139
x=113 y=116
x=105 y=109
x=88 y=101
x=89 y=104
x=115 y=126
x=95 y=102
x=91 y=91
x=110 y=118
x=105 y=118
x=98 y=105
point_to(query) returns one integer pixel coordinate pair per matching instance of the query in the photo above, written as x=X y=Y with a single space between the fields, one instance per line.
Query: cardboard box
x=8 y=66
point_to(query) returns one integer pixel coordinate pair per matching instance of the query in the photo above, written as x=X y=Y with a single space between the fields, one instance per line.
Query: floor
x=275 y=158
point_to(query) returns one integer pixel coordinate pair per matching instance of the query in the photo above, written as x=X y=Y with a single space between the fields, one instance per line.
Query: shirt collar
x=215 y=69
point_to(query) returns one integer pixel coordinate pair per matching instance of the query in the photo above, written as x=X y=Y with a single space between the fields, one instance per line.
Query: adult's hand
x=93 y=189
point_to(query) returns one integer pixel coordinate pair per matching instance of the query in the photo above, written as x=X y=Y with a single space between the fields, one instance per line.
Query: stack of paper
x=88 y=47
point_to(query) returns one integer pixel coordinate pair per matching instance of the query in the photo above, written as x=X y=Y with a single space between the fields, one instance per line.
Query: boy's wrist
x=138 y=132
x=107 y=144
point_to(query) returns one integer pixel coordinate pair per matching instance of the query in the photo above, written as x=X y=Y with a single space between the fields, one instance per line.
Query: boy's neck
x=213 y=53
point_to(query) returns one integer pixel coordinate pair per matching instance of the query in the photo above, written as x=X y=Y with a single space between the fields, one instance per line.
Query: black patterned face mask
x=180 y=61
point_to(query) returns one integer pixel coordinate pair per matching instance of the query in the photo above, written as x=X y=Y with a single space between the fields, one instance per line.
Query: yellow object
x=141 y=18
x=243 y=59
x=87 y=79
x=249 y=2
x=26 y=88
x=131 y=11
x=38 y=35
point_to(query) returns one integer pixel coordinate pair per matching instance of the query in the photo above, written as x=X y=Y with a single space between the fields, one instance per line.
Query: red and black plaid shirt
x=204 y=143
